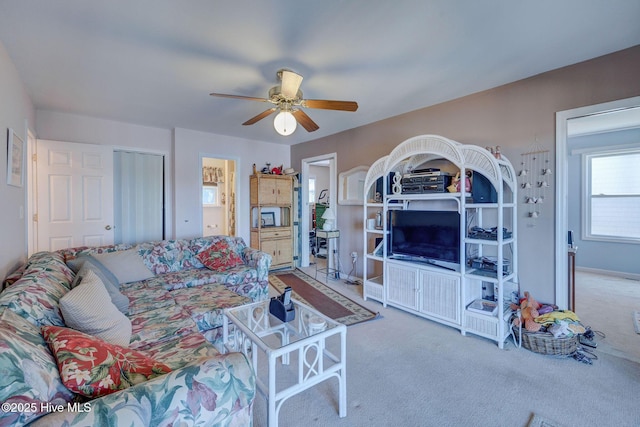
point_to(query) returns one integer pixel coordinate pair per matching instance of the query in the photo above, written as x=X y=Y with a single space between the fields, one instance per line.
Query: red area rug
x=313 y=293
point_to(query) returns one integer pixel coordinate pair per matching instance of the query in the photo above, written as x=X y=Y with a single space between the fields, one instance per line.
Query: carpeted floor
x=311 y=292
x=606 y=303
x=538 y=421
x=403 y=370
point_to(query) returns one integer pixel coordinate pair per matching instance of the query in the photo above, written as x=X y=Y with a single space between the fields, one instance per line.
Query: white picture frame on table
x=15 y=159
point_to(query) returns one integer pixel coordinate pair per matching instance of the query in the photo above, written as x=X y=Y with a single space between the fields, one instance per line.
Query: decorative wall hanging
x=534 y=178
x=212 y=175
x=15 y=159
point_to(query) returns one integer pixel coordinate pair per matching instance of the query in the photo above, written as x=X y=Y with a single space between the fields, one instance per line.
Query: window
x=612 y=202
x=312 y=190
x=210 y=195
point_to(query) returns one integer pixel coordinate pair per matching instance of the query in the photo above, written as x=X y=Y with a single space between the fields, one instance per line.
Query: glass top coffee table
x=302 y=341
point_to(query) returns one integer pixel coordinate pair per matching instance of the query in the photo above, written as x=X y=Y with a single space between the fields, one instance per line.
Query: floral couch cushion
x=238 y=278
x=72 y=253
x=206 y=305
x=92 y=367
x=160 y=325
x=168 y=256
x=182 y=351
x=143 y=298
x=28 y=373
x=200 y=244
x=220 y=257
x=36 y=294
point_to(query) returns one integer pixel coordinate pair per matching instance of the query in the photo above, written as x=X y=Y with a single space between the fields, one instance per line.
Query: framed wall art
x=15 y=159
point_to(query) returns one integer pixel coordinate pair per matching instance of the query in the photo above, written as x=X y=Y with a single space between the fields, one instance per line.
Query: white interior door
x=75 y=195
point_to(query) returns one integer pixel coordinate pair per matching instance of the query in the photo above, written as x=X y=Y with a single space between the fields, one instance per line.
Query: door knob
x=108 y=227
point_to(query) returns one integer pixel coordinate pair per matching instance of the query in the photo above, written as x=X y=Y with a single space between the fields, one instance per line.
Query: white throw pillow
x=88 y=308
x=127 y=265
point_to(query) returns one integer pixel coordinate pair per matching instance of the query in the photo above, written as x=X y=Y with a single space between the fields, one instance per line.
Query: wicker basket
x=546 y=343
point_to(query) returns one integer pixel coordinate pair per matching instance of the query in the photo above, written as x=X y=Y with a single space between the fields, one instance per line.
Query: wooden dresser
x=271 y=217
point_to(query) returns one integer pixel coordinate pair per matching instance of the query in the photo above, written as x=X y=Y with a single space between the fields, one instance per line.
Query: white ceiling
x=154 y=62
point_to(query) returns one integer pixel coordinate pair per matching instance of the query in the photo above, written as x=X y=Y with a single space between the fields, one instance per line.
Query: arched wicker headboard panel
x=423 y=145
x=481 y=160
x=375 y=171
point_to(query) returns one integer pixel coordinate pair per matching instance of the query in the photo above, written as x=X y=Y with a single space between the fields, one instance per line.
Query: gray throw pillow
x=127 y=265
x=108 y=279
x=87 y=308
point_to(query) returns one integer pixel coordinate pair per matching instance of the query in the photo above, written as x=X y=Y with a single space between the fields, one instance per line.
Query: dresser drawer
x=276 y=233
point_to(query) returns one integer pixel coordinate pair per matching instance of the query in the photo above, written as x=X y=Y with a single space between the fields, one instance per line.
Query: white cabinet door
x=75 y=195
x=402 y=285
x=440 y=295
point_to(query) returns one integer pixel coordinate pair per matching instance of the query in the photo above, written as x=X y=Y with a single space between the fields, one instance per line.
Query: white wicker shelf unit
x=439 y=294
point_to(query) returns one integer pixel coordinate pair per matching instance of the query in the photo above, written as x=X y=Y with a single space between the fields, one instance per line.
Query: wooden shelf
x=271 y=200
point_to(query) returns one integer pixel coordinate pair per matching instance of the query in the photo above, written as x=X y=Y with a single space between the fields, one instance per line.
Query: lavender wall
x=16 y=110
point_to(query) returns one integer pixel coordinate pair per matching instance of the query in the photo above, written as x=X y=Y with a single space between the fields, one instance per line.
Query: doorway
x=218 y=196
x=604 y=298
x=562 y=185
x=323 y=169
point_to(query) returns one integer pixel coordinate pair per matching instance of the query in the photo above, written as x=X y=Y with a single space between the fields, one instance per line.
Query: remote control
x=286 y=296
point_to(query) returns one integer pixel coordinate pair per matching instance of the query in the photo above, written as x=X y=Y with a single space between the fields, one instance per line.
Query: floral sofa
x=169 y=373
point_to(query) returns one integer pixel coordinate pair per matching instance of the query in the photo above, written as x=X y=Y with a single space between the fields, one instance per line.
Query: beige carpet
x=539 y=421
x=403 y=370
x=606 y=303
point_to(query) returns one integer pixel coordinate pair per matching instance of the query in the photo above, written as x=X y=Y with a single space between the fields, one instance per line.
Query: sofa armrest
x=216 y=391
x=259 y=260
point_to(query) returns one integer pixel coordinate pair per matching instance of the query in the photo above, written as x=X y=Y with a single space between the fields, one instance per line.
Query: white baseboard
x=621 y=274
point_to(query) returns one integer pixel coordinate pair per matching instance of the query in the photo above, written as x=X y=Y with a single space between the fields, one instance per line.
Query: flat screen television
x=425 y=236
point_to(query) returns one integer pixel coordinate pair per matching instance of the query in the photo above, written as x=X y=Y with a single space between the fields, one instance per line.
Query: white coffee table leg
x=272 y=416
x=343 y=376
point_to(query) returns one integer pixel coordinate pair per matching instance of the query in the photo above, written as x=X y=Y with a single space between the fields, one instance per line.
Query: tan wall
x=513 y=116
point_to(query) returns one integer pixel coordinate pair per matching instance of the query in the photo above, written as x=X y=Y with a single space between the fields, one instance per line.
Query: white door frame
x=562 y=208
x=32 y=195
x=333 y=200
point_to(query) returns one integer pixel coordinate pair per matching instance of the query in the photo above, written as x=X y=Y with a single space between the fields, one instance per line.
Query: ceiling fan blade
x=304 y=120
x=249 y=98
x=259 y=116
x=290 y=84
x=330 y=105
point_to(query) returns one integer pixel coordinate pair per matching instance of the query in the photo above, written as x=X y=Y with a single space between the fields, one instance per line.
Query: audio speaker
x=482 y=191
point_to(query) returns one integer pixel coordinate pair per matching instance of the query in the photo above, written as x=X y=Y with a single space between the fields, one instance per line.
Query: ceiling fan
x=287 y=99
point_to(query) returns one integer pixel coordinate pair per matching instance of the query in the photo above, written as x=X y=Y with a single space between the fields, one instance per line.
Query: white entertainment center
x=443 y=289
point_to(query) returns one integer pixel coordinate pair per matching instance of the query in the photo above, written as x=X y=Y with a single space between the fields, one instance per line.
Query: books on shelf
x=484 y=306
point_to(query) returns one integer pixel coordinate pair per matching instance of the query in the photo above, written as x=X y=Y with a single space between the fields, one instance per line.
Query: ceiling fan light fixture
x=284 y=123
